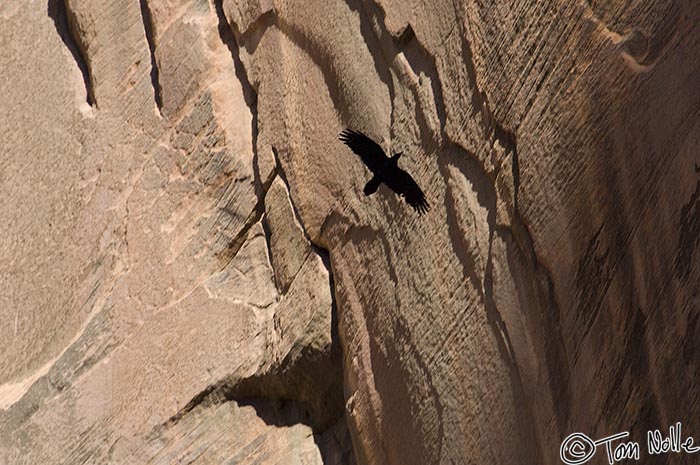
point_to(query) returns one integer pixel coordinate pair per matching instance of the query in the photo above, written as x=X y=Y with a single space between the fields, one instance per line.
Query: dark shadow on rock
x=57 y=12
x=150 y=38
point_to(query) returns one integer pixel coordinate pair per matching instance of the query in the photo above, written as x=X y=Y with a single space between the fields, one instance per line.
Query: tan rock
x=191 y=273
x=142 y=301
x=289 y=248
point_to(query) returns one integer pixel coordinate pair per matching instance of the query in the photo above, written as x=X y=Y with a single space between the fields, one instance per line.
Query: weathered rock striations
x=191 y=273
x=144 y=313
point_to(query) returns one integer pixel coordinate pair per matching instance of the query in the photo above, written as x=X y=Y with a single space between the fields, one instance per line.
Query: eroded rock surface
x=142 y=304
x=191 y=273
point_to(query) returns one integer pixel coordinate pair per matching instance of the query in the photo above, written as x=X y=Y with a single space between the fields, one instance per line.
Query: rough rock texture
x=140 y=304
x=191 y=274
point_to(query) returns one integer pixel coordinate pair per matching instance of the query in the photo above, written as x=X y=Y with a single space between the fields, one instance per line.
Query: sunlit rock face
x=191 y=272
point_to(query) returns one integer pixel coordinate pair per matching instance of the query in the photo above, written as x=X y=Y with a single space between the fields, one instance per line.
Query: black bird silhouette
x=385 y=170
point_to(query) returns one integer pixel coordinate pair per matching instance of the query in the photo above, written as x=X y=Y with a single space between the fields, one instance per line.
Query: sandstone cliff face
x=191 y=273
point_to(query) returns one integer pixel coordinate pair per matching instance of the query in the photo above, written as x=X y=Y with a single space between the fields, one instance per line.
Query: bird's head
x=396 y=156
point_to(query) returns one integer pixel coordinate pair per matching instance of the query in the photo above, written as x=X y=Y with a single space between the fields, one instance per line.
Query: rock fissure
x=235 y=244
x=150 y=38
x=59 y=11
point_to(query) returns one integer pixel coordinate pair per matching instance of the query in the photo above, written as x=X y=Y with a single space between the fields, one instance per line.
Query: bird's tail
x=372 y=186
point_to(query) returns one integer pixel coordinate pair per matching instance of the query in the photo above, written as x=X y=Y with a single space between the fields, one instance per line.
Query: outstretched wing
x=404 y=185
x=369 y=151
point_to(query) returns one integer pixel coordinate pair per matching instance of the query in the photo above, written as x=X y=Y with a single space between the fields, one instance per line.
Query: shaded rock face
x=191 y=273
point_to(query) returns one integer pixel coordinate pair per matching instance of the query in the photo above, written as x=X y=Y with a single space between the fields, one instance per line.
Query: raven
x=385 y=170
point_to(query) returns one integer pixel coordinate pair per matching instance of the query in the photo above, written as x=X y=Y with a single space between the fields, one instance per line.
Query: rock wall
x=191 y=273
